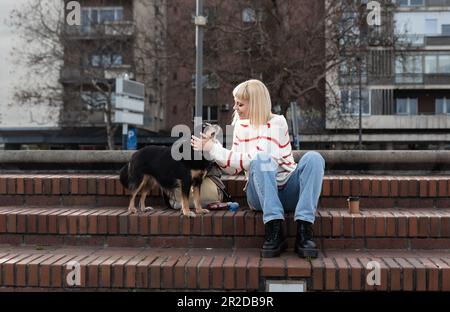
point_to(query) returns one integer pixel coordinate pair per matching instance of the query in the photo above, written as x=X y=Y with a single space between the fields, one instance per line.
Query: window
x=92 y=16
x=348 y=72
x=408 y=69
x=445 y=30
x=406 y=106
x=250 y=15
x=437 y=64
x=210 y=113
x=350 y=102
x=444 y=64
x=443 y=105
x=410 y=2
x=431 y=26
x=106 y=60
x=430 y=64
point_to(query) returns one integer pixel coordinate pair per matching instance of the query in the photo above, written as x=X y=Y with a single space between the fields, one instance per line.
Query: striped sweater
x=272 y=138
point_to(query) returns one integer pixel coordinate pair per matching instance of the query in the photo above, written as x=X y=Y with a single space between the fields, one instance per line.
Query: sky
x=10 y=74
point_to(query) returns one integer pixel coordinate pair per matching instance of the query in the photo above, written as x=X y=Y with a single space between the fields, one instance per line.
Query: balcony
x=423 y=78
x=109 y=29
x=85 y=75
x=437 y=40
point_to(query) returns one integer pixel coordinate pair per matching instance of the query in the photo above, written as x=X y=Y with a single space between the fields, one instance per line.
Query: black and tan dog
x=155 y=164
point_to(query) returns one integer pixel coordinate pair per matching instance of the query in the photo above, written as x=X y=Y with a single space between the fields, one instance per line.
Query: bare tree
x=85 y=58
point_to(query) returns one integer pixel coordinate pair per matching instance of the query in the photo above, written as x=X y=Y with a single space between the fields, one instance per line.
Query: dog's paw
x=147 y=209
x=189 y=214
x=203 y=211
x=132 y=210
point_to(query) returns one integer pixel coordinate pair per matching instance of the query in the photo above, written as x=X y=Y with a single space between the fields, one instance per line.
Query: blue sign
x=132 y=139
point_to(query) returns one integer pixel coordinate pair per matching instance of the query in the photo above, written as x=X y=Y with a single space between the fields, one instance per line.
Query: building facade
x=405 y=87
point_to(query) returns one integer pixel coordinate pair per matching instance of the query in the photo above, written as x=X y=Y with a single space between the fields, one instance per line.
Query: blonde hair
x=258 y=97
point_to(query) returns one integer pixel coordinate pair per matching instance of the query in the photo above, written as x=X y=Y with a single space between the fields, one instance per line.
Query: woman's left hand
x=204 y=144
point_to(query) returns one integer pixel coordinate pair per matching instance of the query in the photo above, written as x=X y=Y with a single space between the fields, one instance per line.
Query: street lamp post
x=200 y=22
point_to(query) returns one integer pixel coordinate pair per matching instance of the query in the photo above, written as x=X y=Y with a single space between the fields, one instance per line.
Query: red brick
x=44 y=270
x=369 y=223
x=335 y=187
x=102 y=227
x=423 y=188
x=342 y=243
x=110 y=186
x=420 y=275
x=20 y=186
x=343 y=273
x=391 y=225
x=317 y=274
x=384 y=187
x=432 y=274
x=355 y=187
x=133 y=223
x=21 y=268
x=123 y=222
x=393 y=186
x=105 y=271
x=345 y=187
x=326 y=187
x=167 y=269
x=435 y=225
x=228 y=223
x=8 y=269
x=228 y=273
x=83 y=222
x=336 y=221
x=101 y=185
x=118 y=269
x=432 y=188
x=326 y=221
x=442 y=186
x=11 y=186
x=203 y=272
x=330 y=274
x=179 y=272
x=64 y=185
x=33 y=270
x=413 y=187
x=395 y=274
x=191 y=272
x=217 y=220
x=358 y=223
x=3 y=187
x=365 y=187
x=348 y=225
x=407 y=274
x=216 y=271
x=412 y=224
x=273 y=267
x=356 y=273
x=92 y=185
x=142 y=279
x=57 y=273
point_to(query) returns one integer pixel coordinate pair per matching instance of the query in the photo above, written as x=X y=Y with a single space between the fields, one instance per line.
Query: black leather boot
x=304 y=245
x=275 y=241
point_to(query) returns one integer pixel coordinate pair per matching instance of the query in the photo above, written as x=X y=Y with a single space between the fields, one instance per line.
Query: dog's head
x=211 y=131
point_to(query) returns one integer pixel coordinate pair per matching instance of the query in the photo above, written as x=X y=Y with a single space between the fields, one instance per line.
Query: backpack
x=212 y=190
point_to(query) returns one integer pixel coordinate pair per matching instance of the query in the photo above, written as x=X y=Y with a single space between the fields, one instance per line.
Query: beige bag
x=209 y=193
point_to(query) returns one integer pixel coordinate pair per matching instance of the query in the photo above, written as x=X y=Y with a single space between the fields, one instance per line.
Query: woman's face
x=241 y=107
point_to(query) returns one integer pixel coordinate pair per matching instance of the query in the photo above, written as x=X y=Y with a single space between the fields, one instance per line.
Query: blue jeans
x=301 y=192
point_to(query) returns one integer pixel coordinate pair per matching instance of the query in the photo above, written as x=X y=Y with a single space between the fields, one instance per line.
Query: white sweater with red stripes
x=272 y=138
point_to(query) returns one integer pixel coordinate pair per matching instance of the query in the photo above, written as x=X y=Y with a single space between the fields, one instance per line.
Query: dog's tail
x=124 y=176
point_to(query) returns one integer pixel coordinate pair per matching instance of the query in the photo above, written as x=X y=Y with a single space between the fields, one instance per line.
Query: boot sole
x=269 y=253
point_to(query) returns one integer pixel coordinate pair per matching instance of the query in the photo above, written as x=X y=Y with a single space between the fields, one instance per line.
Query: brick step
x=334 y=228
x=217 y=269
x=106 y=190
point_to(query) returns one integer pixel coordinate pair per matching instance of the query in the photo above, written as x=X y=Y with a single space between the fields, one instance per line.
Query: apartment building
x=405 y=89
x=115 y=38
